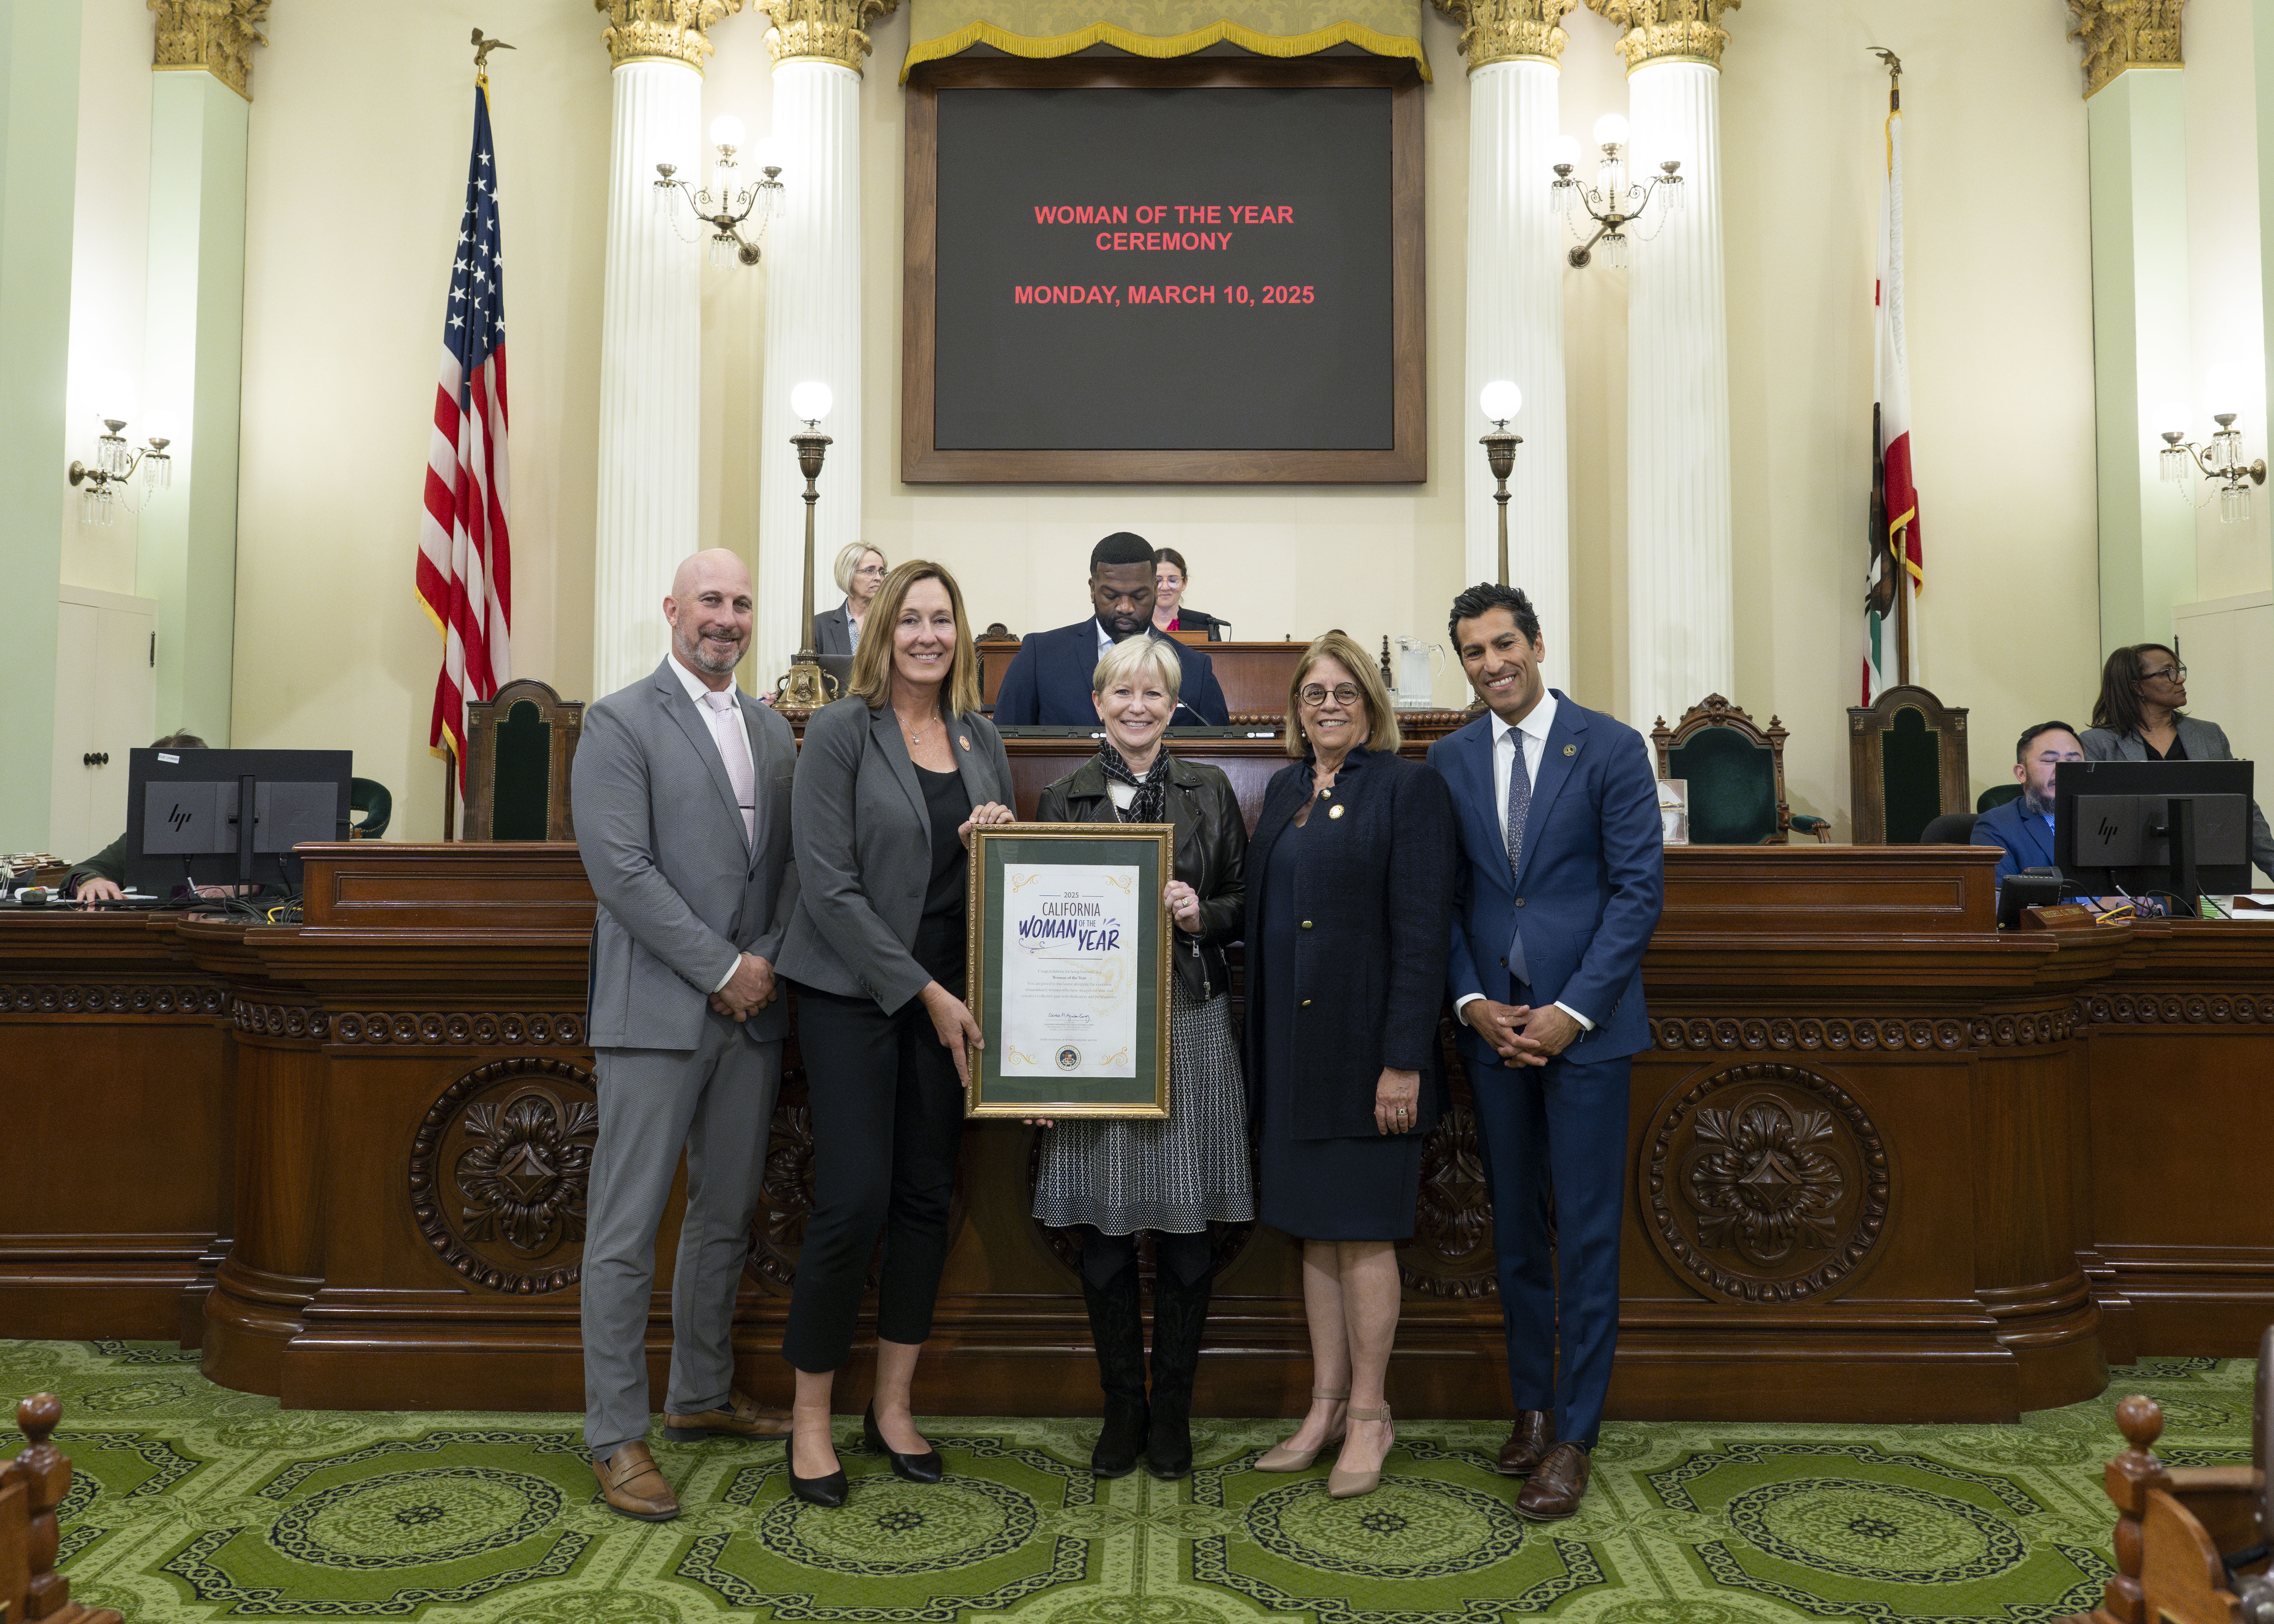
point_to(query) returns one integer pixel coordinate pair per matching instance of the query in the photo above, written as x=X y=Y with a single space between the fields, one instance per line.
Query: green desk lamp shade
x=1732 y=787
x=524 y=794
x=1910 y=775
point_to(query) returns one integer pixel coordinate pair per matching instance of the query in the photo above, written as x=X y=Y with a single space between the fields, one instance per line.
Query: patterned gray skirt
x=1123 y=1175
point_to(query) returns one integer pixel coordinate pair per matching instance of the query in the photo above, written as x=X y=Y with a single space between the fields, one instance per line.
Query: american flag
x=465 y=569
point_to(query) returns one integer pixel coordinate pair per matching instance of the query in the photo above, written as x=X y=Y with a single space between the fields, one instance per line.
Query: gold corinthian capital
x=2118 y=35
x=823 y=30
x=662 y=30
x=1667 y=30
x=1510 y=30
x=210 y=36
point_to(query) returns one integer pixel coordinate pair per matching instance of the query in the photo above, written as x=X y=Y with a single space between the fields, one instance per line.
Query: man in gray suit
x=682 y=795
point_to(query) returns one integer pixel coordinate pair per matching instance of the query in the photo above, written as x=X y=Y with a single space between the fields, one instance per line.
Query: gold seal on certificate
x=1070 y=970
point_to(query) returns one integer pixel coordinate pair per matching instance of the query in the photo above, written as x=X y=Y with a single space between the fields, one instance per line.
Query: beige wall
x=359 y=144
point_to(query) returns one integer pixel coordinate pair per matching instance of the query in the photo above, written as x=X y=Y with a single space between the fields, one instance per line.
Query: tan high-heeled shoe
x=1349 y=1486
x=1285 y=1459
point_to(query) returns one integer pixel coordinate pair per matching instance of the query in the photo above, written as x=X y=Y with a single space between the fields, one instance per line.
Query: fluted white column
x=813 y=332
x=1515 y=332
x=650 y=372
x=1680 y=621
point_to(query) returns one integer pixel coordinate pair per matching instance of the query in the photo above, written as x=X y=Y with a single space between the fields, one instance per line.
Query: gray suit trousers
x=716 y=1103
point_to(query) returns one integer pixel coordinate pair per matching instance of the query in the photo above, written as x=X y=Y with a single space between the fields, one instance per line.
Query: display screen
x=1164 y=269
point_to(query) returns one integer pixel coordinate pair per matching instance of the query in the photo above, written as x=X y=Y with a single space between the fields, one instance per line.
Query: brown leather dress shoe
x=632 y=1483
x=1557 y=1485
x=1534 y=1435
x=742 y=1417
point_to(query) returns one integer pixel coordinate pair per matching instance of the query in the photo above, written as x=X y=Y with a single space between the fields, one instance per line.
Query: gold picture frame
x=1148 y=850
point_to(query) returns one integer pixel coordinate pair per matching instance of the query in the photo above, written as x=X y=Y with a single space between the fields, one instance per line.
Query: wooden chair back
x=1735 y=771
x=1905 y=765
x=32 y=1486
x=518 y=750
x=2172 y=1524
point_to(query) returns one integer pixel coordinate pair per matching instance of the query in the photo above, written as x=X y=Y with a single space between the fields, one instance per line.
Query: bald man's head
x=710 y=613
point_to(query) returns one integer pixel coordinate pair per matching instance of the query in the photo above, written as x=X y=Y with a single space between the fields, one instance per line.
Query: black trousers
x=887 y=1126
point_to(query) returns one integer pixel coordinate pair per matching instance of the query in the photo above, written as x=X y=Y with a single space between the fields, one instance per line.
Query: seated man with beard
x=2023 y=827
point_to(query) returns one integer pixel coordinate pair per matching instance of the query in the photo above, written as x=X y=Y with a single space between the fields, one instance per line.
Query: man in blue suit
x=1049 y=679
x=1562 y=874
x=2023 y=827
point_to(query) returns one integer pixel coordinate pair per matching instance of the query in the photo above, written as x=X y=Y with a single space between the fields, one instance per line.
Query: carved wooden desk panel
x=115 y=1112
x=1876 y=1160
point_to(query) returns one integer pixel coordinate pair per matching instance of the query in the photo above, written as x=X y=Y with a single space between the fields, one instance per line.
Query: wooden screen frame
x=1405 y=461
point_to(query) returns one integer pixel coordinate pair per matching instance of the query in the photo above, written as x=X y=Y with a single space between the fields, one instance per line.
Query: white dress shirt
x=1532 y=734
x=697 y=688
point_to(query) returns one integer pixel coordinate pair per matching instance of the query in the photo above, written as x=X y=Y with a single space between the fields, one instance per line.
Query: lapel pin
x=1570 y=750
x=964 y=740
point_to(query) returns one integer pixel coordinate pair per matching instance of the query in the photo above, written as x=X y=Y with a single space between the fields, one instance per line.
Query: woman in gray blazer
x=890 y=781
x=2137 y=718
x=860 y=572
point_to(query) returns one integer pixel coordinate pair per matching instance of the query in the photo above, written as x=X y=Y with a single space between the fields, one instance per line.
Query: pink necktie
x=734 y=739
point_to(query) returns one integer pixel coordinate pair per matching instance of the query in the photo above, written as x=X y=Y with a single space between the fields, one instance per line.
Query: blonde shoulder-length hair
x=872 y=661
x=1382 y=733
x=849 y=560
x=1133 y=655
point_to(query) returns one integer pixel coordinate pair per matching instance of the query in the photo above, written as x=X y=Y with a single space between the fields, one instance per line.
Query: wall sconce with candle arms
x=112 y=476
x=2219 y=461
x=723 y=205
x=805 y=686
x=1611 y=202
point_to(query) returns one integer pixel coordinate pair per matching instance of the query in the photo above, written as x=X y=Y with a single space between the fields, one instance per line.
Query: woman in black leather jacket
x=1109 y=1179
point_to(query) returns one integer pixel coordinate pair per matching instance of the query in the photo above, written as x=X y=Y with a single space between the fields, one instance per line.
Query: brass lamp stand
x=805 y=686
x=1499 y=452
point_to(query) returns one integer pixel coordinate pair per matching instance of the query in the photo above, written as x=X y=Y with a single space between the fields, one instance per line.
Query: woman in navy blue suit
x=1350 y=898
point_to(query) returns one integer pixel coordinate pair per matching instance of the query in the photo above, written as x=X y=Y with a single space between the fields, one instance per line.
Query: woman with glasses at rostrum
x=2138 y=718
x=1350 y=895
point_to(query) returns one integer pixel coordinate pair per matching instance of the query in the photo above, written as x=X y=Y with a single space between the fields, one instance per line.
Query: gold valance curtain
x=1161 y=28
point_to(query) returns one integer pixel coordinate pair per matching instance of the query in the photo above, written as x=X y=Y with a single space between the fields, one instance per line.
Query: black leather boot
x=1116 y=1323
x=1179 y=1314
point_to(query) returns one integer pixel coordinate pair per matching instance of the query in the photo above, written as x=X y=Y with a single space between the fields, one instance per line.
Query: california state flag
x=1896 y=561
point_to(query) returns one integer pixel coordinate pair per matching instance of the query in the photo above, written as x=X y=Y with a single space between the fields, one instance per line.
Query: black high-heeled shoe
x=829 y=1491
x=925 y=1468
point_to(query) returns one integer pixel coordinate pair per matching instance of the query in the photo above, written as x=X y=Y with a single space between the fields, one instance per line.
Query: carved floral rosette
x=1451 y=1253
x=1766 y=1183
x=499 y=1171
x=89 y=998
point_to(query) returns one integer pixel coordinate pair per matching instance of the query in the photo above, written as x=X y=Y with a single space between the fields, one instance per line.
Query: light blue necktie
x=1519 y=807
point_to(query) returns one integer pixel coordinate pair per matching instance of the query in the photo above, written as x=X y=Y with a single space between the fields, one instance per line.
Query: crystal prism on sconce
x=112 y=479
x=2219 y=461
x=724 y=205
x=1612 y=202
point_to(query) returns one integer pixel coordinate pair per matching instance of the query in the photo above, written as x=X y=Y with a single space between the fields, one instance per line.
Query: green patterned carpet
x=196 y=1503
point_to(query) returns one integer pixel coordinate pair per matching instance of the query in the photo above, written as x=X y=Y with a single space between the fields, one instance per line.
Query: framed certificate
x=1069 y=969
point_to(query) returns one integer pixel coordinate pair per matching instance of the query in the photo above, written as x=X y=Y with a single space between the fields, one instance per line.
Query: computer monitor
x=184 y=822
x=2173 y=829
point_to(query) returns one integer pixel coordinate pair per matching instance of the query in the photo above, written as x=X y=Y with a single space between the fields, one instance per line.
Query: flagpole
x=1902 y=559
x=450 y=795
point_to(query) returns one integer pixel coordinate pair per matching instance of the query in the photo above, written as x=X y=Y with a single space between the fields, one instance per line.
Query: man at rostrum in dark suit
x=681 y=791
x=1047 y=682
x=1563 y=877
x=2023 y=826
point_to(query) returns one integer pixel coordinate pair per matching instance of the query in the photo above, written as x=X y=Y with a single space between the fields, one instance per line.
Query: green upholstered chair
x=518 y=749
x=374 y=805
x=1997 y=795
x=1735 y=777
x=1906 y=765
